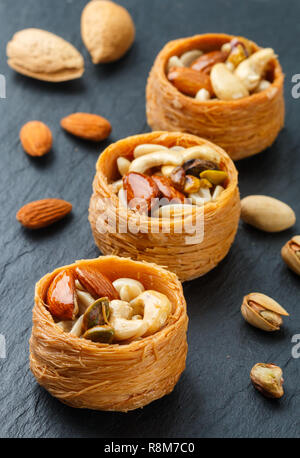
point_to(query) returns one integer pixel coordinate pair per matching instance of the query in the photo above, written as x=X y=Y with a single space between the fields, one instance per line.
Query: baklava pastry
x=166 y=197
x=223 y=88
x=108 y=333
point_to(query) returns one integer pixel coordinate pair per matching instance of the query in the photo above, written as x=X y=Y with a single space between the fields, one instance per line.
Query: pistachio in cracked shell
x=266 y=213
x=262 y=312
x=107 y=30
x=267 y=378
x=44 y=56
x=291 y=254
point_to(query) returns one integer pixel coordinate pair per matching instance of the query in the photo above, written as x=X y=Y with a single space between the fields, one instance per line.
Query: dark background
x=214 y=397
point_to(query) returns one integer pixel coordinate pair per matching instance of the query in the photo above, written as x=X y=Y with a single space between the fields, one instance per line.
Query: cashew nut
x=122 y=197
x=217 y=192
x=85 y=299
x=124 y=327
x=155 y=307
x=201 y=151
x=174 y=211
x=117 y=185
x=123 y=165
x=251 y=70
x=147 y=148
x=77 y=328
x=227 y=85
x=174 y=61
x=163 y=157
x=201 y=197
x=188 y=57
x=128 y=288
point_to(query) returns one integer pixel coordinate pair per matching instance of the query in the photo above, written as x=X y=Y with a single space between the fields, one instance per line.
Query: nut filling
x=88 y=305
x=232 y=72
x=178 y=178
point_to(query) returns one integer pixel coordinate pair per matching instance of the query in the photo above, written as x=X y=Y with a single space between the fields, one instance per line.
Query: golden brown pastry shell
x=171 y=250
x=242 y=127
x=116 y=377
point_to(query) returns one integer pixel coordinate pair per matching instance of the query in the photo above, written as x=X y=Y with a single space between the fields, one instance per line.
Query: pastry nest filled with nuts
x=220 y=87
x=168 y=198
x=109 y=333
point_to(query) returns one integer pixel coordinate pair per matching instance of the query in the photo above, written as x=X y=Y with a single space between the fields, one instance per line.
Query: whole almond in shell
x=42 y=213
x=86 y=125
x=44 y=56
x=107 y=30
x=36 y=138
x=266 y=213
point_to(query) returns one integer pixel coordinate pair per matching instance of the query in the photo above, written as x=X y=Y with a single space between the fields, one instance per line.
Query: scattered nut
x=44 y=56
x=107 y=30
x=42 y=213
x=36 y=138
x=86 y=125
x=291 y=254
x=266 y=213
x=267 y=378
x=262 y=312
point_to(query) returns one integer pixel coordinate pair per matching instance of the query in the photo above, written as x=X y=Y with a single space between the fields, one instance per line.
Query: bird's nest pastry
x=166 y=197
x=220 y=87
x=108 y=333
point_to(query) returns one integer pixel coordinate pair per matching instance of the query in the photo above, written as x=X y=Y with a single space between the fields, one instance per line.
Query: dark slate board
x=214 y=397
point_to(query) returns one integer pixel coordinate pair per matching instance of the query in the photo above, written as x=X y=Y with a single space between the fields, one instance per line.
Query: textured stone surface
x=214 y=397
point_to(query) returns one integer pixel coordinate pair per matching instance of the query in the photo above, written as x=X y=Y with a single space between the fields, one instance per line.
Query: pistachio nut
x=262 y=312
x=291 y=254
x=266 y=213
x=216 y=177
x=101 y=334
x=267 y=378
x=96 y=314
x=192 y=184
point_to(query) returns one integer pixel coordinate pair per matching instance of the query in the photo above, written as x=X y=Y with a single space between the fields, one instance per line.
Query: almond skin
x=141 y=191
x=43 y=55
x=166 y=188
x=86 y=125
x=97 y=284
x=107 y=30
x=189 y=81
x=36 y=138
x=205 y=62
x=42 y=213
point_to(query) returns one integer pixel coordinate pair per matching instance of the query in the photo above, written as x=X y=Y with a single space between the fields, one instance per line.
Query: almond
x=97 y=284
x=205 y=62
x=36 y=138
x=141 y=191
x=86 y=125
x=189 y=81
x=42 y=213
x=107 y=30
x=61 y=296
x=168 y=191
x=44 y=56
